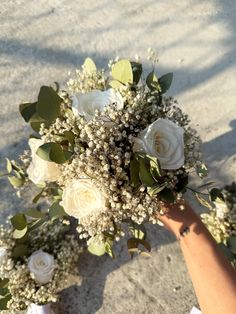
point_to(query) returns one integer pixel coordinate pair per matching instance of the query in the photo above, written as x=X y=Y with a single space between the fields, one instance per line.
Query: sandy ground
x=41 y=41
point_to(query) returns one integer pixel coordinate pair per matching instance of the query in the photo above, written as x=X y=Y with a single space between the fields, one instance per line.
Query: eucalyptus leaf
x=138 y=231
x=144 y=173
x=3 y=291
x=216 y=195
x=165 y=82
x=134 y=172
x=203 y=201
x=9 y=166
x=4 y=282
x=167 y=195
x=152 y=81
x=56 y=211
x=182 y=183
x=18 y=234
x=152 y=191
x=48 y=105
x=122 y=72
x=155 y=168
x=115 y=84
x=38 y=196
x=19 y=221
x=28 y=111
x=16 y=182
x=4 y=301
x=137 y=71
x=132 y=245
x=20 y=250
x=34 y=213
x=52 y=152
x=108 y=249
x=202 y=171
x=35 y=125
x=89 y=66
x=38 y=223
x=97 y=248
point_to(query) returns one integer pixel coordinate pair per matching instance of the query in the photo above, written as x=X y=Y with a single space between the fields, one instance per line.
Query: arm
x=213 y=277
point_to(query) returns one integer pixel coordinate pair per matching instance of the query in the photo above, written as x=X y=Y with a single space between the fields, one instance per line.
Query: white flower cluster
x=221 y=220
x=42 y=272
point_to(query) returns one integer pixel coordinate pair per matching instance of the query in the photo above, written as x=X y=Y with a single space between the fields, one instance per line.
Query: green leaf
x=48 y=105
x=145 y=243
x=89 y=66
x=3 y=291
x=34 y=213
x=206 y=185
x=20 y=250
x=108 y=249
x=4 y=301
x=16 y=182
x=115 y=84
x=165 y=82
x=152 y=191
x=216 y=195
x=155 y=168
x=19 y=221
x=182 y=183
x=144 y=173
x=28 y=111
x=232 y=244
x=167 y=195
x=134 y=172
x=202 y=171
x=18 y=234
x=203 y=201
x=70 y=136
x=37 y=124
x=9 y=165
x=4 y=282
x=38 y=223
x=138 y=231
x=97 y=248
x=133 y=244
x=56 y=211
x=137 y=71
x=53 y=152
x=38 y=196
x=152 y=81
x=122 y=72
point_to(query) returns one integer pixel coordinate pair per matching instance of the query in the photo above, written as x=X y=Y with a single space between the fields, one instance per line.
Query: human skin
x=213 y=277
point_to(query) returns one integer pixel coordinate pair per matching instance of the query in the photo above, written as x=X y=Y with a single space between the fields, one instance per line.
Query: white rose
x=81 y=198
x=86 y=104
x=164 y=140
x=3 y=254
x=39 y=170
x=41 y=266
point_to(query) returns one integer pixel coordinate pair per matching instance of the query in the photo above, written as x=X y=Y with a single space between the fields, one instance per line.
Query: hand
x=178 y=216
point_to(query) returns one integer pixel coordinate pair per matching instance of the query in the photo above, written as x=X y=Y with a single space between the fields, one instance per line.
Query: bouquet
x=110 y=150
x=221 y=220
x=34 y=269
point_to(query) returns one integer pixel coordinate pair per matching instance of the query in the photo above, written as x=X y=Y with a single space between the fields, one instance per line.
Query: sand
x=41 y=41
